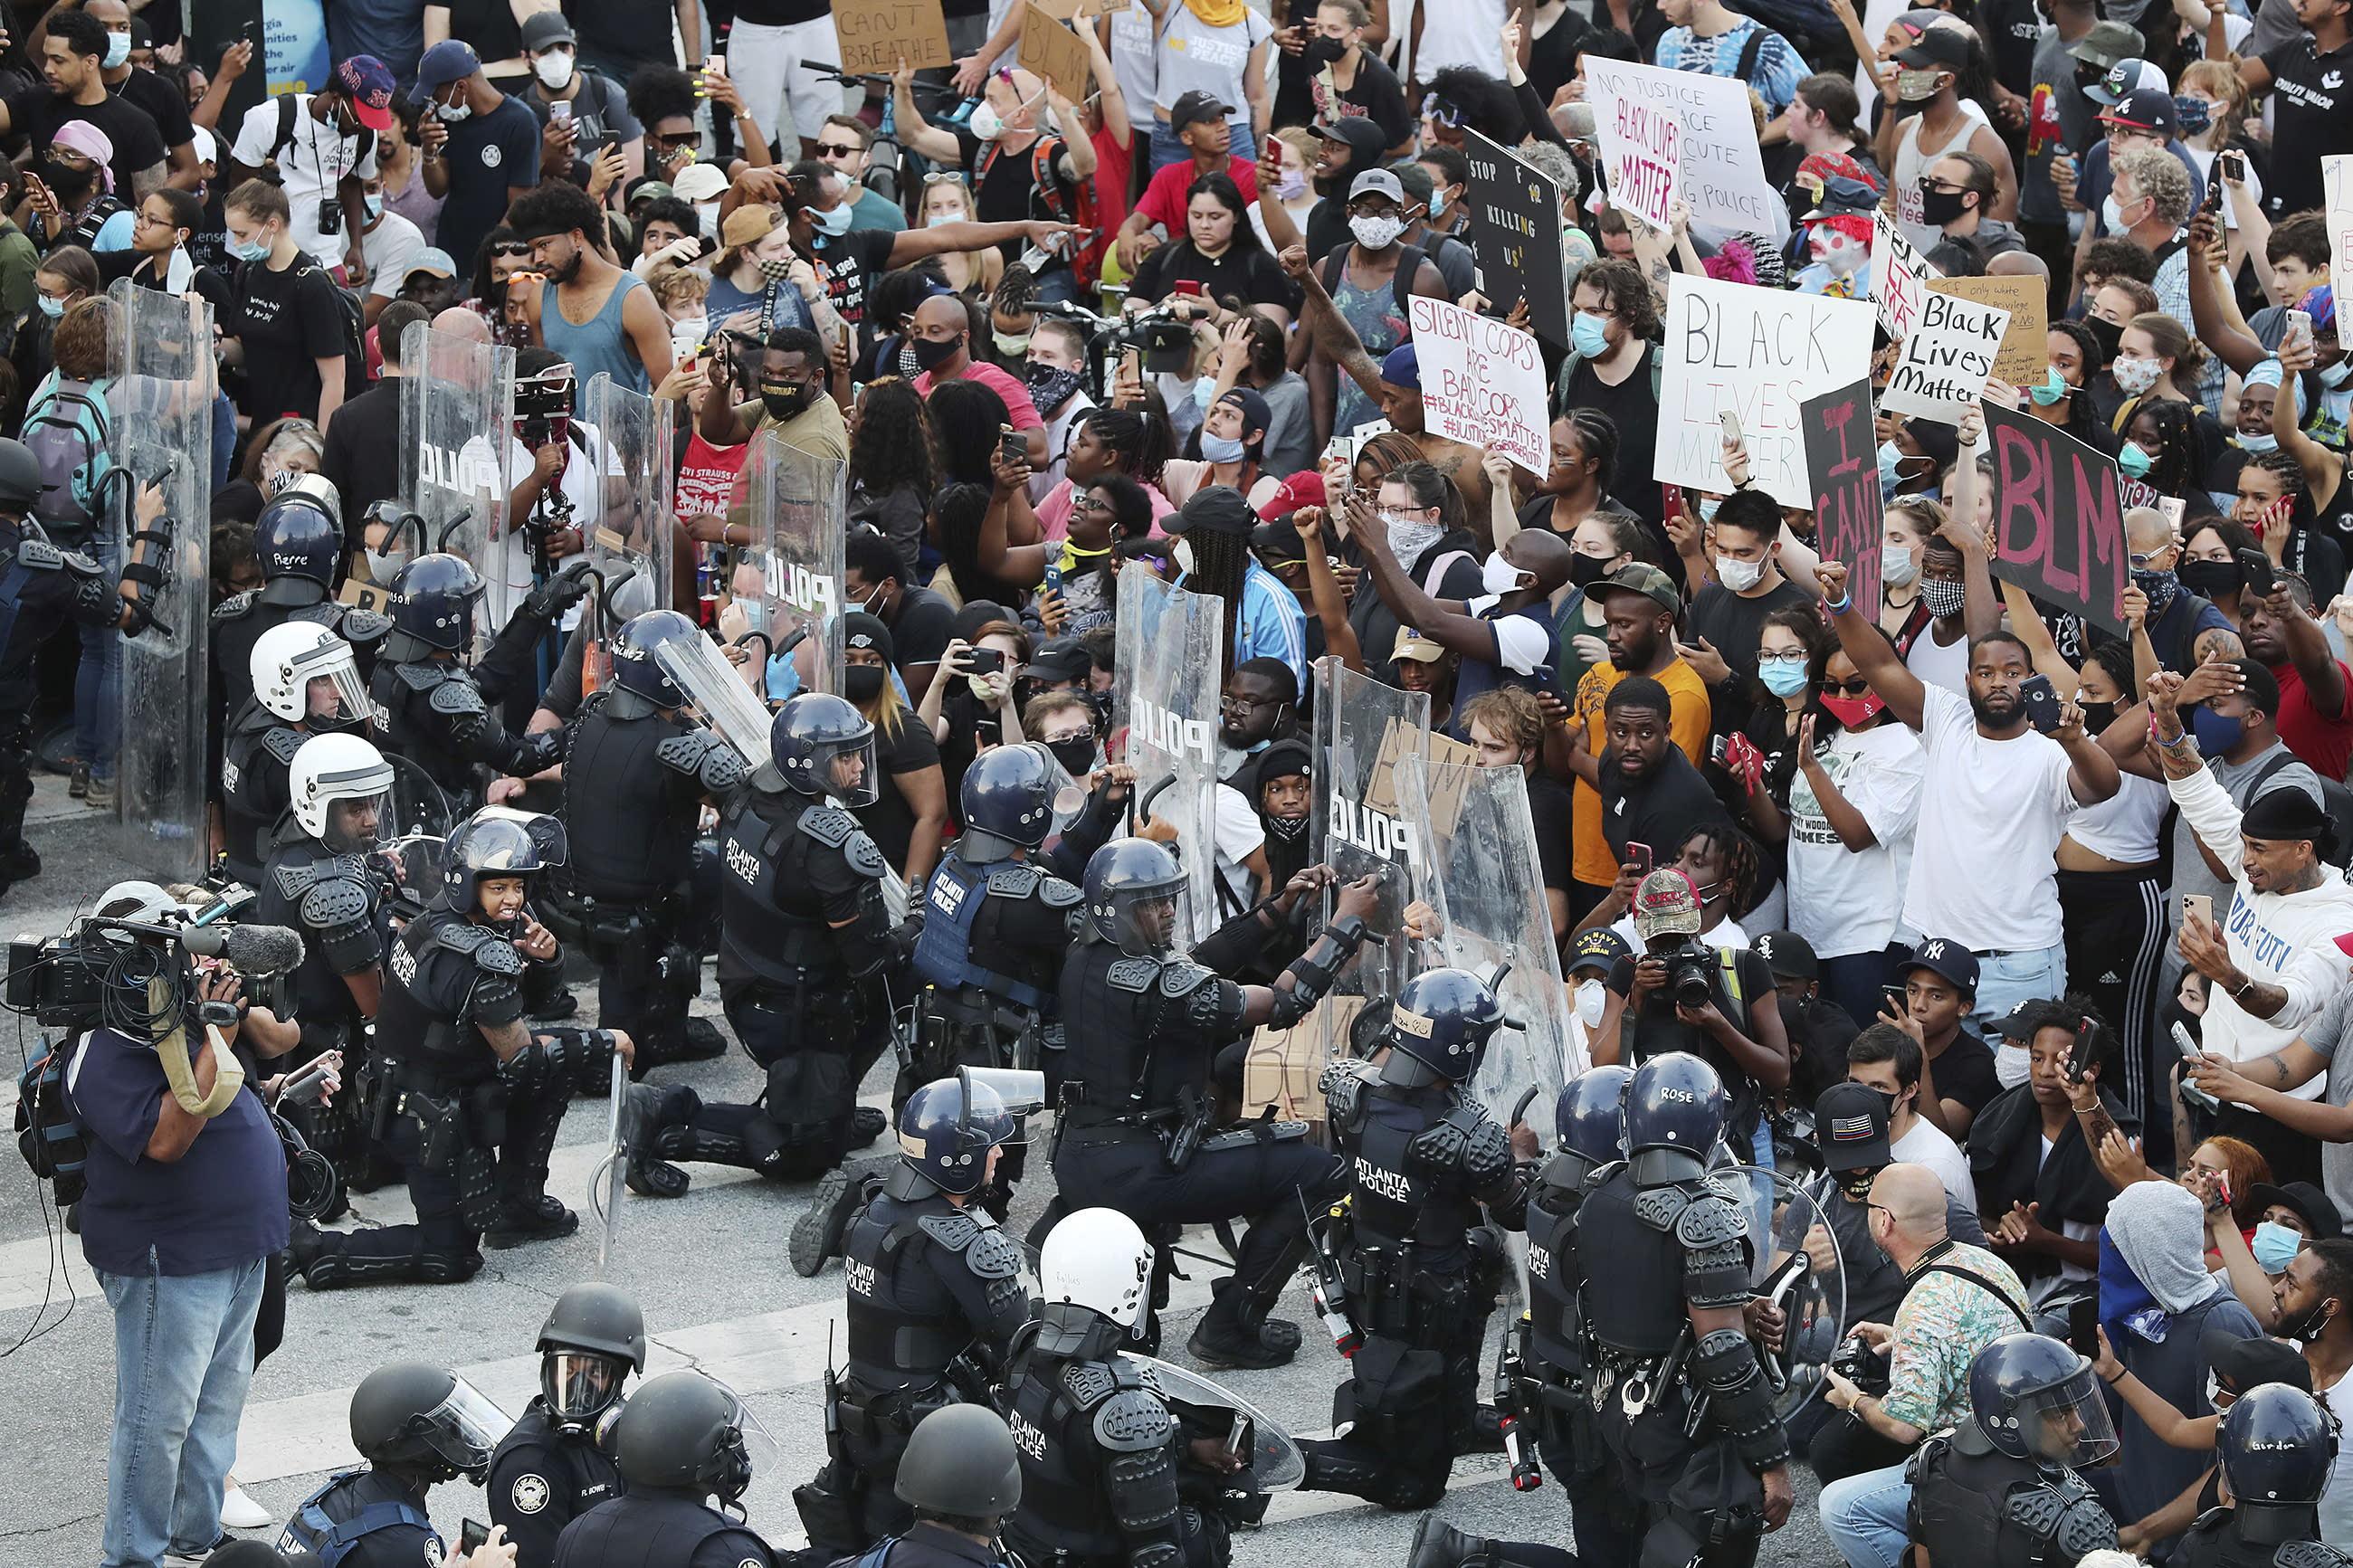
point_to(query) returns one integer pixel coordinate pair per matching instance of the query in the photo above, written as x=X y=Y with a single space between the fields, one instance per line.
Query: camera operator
x=1684 y=994
x=185 y=1204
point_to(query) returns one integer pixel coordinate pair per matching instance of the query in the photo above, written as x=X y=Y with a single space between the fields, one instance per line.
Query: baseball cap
x=545 y=29
x=1363 y=137
x=1060 y=658
x=2242 y=1365
x=699 y=182
x=432 y=260
x=1214 y=508
x=1278 y=543
x=2126 y=76
x=369 y=84
x=1194 y=105
x=1599 y=947
x=747 y=224
x=1402 y=367
x=1842 y=197
x=1305 y=488
x=2018 y=1024
x=1850 y=1127
x=1411 y=644
x=2319 y=1214
x=1256 y=414
x=1947 y=46
x=1666 y=904
x=1788 y=955
x=2146 y=108
x=1943 y=956
x=1377 y=182
x=2107 y=43
x=1641 y=577
x=445 y=62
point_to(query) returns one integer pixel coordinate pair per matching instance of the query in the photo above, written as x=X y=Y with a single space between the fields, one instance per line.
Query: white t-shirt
x=1841 y=900
x=1239 y=835
x=2123 y=827
x=389 y=247
x=1991 y=814
x=315 y=162
x=1194 y=54
x=509 y=571
x=1135 y=61
x=1460 y=33
x=1926 y=1145
x=2336 y=1502
x=1520 y=644
x=1727 y=934
x=1911 y=161
x=1939 y=666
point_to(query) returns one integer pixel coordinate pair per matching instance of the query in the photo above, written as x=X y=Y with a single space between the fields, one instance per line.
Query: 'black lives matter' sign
x=1516 y=231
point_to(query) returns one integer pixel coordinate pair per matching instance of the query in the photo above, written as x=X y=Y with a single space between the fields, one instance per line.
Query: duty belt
x=1641 y=1383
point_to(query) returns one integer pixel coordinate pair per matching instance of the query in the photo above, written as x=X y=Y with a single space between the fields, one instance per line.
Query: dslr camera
x=1861 y=1366
x=1691 y=971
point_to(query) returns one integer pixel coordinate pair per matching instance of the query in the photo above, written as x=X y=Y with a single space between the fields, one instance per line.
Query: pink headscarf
x=82 y=137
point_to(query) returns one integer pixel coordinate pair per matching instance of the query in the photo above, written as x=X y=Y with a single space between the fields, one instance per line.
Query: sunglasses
x=511 y=249
x=839 y=150
x=1855 y=688
x=673 y=144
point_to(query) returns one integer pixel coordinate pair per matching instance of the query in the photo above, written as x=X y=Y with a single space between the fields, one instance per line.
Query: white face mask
x=1739 y=575
x=554 y=70
x=1896 y=566
x=451 y=113
x=1375 y=233
x=1498 y=576
x=986 y=122
x=1592 y=998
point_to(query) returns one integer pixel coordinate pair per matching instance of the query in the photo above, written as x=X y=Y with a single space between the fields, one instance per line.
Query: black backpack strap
x=1408 y=269
x=2255 y=784
x=286 y=109
x=2025 y=1323
x=1747 y=69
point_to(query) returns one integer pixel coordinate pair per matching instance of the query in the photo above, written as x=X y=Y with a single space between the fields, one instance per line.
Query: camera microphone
x=254 y=950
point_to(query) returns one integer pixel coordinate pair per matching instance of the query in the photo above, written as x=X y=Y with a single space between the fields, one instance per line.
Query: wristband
x=1842 y=606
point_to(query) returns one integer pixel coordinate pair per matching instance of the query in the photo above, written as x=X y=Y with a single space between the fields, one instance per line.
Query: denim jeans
x=183 y=1358
x=1167 y=150
x=98 y=681
x=2002 y=984
x=1865 y=1517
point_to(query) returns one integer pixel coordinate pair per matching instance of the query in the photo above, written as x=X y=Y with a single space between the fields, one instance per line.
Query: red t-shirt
x=2321 y=742
x=1164 y=198
x=1114 y=167
x=706 y=479
x=1015 y=396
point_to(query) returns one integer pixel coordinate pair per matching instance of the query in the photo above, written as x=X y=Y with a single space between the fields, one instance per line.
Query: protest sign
x=1948 y=356
x=1759 y=354
x=2025 y=346
x=1899 y=277
x=1720 y=173
x=876 y=36
x=2336 y=210
x=1842 y=458
x=1515 y=231
x=1483 y=383
x=2059 y=529
x=1053 y=51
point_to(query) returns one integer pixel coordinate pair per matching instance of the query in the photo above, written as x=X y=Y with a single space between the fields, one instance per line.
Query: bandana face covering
x=1855 y=711
x=1944 y=599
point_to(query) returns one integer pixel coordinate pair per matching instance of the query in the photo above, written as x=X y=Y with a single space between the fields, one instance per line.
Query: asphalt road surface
x=710 y=1270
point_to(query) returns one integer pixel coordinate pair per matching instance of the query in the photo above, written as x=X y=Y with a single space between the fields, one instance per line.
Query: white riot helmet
x=340 y=768
x=1098 y=1259
x=288 y=657
x=136 y=900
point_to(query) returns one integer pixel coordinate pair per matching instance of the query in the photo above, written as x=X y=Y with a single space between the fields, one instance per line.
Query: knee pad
x=812 y=1090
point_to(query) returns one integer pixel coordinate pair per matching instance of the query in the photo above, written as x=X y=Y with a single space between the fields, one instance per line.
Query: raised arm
x=1439 y=621
x=918 y=134
x=1332 y=332
x=1324 y=585
x=2212 y=311
x=1873 y=655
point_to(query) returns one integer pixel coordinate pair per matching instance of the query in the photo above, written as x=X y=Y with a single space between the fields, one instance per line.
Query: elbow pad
x=538 y=751
x=1313 y=971
x=1725 y=1365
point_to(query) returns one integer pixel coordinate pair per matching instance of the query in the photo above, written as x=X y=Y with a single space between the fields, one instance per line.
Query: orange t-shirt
x=1687 y=723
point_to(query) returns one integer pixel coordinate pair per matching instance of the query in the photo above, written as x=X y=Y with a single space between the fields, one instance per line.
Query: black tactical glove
x=556 y=596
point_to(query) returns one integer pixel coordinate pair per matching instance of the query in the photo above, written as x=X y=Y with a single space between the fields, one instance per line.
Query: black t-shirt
x=1008 y=190
x=1378 y=96
x=1327 y=226
x=637 y=31
x=486 y=154
x=163 y=104
x=360 y=461
x=1965 y=1072
x=852 y=262
x=1634 y=407
x=287 y=320
x=490 y=26
x=2309 y=102
x=1247 y=273
x=1732 y=625
x=2016 y=27
x=138 y=144
x=784 y=13
x=1657 y=1030
x=1550 y=814
x=1657 y=811
x=925 y=624
x=891 y=821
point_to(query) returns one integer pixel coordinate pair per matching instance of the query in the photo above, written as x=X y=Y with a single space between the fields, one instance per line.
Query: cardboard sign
x=874 y=37
x=2025 y=346
x=363 y=595
x=2337 y=211
x=1061 y=10
x=1720 y=171
x=1515 y=231
x=1054 y=52
x=1483 y=383
x=2059 y=528
x=1947 y=358
x=1900 y=275
x=1843 y=457
x=1641 y=137
x=1759 y=352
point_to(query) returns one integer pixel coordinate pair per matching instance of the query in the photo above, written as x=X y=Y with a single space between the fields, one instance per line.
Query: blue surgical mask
x=1438 y=204
x=1782 y=677
x=52 y=308
x=2216 y=732
x=1220 y=448
x=375 y=205
x=2334 y=377
x=1890 y=461
x=2132 y=461
x=2054 y=388
x=1897 y=566
x=257 y=251
x=1707 y=506
x=118 y=49
x=2274 y=1247
x=1588 y=334
x=1205 y=391
x=2266 y=442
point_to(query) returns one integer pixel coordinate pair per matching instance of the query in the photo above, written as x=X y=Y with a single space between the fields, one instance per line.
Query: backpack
x=355 y=327
x=287 y=109
x=49 y=1135
x=2335 y=796
x=1046 y=189
x=67 y=432
x=1408 y=267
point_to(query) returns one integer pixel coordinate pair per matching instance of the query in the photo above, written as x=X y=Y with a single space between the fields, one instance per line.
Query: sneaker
x=100 y=796
x=817 y=1235
x=79 y=786
x=531 y=1219
x=239 y=1511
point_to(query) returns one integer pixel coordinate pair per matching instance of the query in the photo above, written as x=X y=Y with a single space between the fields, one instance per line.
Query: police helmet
x=2276 y=1449
x=1097 y=1258
x=425 y=1419
x=1009 y=792
x=498 y=841
x=290 y=656
x=810 y=738
x=433 y=600
x=1123 y=875
x=1440 y=1026
x=961 y=1460
x=1590 y=1116
x=330 y=768
x=946 y=1129
x=635 y=669
x=299 y=534
x=2037 y=1400
x=136 y=900
x=592 y=1340
x=20 y=476
x=683 y=1430
x=1674 y=1100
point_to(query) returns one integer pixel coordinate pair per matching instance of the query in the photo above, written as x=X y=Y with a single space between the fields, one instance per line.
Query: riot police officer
x=636 y=776
x=305 y=683
x=2276 y=1449
x=551 y=1469
x=435 y=711
x=961 y=1475
x=297 y=542
x=1419 y=1267
x=806 y=949
x=468 y=1097
x=2001 y=1489
x=1100 y=1451
x=679 y=1443
x=1144 y=1025
x=935 y=1298
x=416 y=1426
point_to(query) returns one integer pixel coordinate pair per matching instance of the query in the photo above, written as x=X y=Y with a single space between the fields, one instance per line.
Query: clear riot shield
x=1274 y=1460
x=702 y=670
x=1360 y=825
x=795 y=506
x=629 y=538
x=1812 y=1301
x=456 y=396
x=1488 y=891
x=160 y=406
x=1166 y=666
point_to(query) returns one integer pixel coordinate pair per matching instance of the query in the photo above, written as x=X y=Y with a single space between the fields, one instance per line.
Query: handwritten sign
x=1899 y=277
x=1641 y=150
x=2337 y=211
x=1053 y=51
x=1948 y=356
x=1720 y=174
x=1481 y=383
x=2025 y=346
x=1759 y=352
x=1514 y=232
x=875 y=37
x=1842 y=457
x=2059 y=529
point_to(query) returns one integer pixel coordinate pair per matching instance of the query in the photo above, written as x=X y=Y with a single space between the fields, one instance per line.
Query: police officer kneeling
x=962 y=1477
x=551 y=1468
x=2276 y=1449
x=680 y=1443
x=416 y=1425
x=1999 y=1490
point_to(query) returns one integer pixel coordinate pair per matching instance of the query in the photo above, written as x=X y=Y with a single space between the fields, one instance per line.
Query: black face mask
x=1287 y=829
x=1076 y=755
x=1938 y=208
x=933 y=353
x=2098 y=716
x=787 y=400
x=862 y=683
x=2210 y=579
x=1584 y=570
x=1321 y=52
x=1100 y=702
x=1856 y=1185
x=2107 y=333
x=71 y=186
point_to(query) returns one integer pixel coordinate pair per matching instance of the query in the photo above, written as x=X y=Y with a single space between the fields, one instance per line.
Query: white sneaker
x=239 y=1511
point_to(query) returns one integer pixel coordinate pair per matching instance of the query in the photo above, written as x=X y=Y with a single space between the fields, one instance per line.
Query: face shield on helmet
x=340 y=788
x=580 y=1385
x=306 y=674
x=2067 y=1423
x=1132 y=888
x=746 y=1449
x=1063 y=791
x=465 y=1427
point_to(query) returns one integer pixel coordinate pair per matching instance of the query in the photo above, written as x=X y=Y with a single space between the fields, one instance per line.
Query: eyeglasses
x=1764 y=658
x=1245 y=704
x=151 y=219
x=2142 y=561
x=1858 y=687
x=1089 y=503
